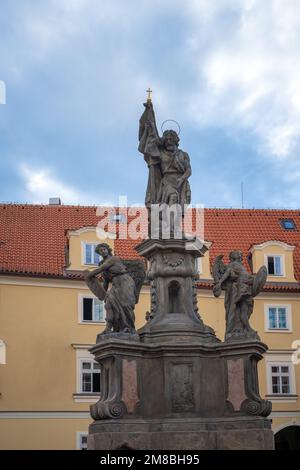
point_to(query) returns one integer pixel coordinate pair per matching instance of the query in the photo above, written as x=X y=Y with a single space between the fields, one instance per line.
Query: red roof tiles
x=33 y=238
x=240 y=229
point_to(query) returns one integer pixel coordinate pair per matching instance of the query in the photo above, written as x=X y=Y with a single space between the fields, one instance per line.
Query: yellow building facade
x=48 y=378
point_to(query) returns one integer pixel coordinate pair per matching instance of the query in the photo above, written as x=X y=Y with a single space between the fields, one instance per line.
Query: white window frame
x=199 y=266
x=83 y=355
x=80 y=311
x=2 y=352
x=280 y=360
x=83 y=257
x=81 y=372
x=288 y=309
x=288 y=374
x=282 y=264
x=79 y=436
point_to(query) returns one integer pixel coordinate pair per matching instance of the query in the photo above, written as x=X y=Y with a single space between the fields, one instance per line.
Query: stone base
x=238 y=433
x=180 y=396
x=101 y=337
x=177 y=328
x=149 y=380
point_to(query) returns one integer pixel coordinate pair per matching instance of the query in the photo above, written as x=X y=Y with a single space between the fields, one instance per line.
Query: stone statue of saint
x=240 y=288
x=169 y=167
x=126 y=283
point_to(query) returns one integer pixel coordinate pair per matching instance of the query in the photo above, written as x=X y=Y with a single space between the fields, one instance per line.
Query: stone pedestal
x=175 y=385
x=174 y=312
x=179 y=396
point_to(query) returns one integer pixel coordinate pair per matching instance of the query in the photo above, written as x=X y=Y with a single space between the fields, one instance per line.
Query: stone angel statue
x=126 y=278
x=240 y=288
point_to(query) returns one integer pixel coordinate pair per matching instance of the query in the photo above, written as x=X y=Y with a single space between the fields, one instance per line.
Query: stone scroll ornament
x=240 y=288
x=126 y=278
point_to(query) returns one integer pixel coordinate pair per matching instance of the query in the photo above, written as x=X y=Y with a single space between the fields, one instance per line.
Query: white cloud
x=247 y=56
x=40 y=184
x=244 y=56
x=234 y=65
x=2 y=92
x=52 y=26
x=65 y=28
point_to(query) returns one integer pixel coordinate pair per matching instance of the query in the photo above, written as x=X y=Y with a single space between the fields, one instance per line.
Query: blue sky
x=76 y=72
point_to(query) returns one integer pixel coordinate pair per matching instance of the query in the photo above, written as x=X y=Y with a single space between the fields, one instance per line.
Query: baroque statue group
x=169 y=169
x=173 y=384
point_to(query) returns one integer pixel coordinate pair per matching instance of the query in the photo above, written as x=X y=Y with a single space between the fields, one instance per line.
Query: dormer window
x=90 y=256
x=120 y=218
x=275 y=265
x=277 y=256
x=288 y=224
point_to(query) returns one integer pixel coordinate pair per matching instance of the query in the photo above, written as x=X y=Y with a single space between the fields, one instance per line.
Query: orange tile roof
x=240 y=229
x=33 y=238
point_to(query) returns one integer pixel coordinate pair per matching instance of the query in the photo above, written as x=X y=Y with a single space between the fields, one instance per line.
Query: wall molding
x=31 y=282
x=45 y=415
x=264 y=245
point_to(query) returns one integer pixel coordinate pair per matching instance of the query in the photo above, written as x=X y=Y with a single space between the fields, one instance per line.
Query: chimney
x=54 y=201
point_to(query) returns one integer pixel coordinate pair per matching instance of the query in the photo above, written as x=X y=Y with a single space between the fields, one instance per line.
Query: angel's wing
x=136 y=269
x=218 y=268
x=259 y=280
x=95 y=285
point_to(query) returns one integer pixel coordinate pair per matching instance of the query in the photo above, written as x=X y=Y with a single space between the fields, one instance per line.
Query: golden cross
x=149 y=91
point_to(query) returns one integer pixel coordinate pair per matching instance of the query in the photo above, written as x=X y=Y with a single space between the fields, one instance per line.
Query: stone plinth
x=237 y=433
x=179 y=396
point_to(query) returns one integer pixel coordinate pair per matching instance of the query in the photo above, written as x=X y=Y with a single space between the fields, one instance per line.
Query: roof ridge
x=92 y=206
x=22 y=204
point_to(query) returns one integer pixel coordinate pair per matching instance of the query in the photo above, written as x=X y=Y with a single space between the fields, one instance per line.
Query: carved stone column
x=172 y=273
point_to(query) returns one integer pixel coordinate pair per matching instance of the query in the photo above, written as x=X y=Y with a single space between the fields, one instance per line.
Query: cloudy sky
x=76 y=72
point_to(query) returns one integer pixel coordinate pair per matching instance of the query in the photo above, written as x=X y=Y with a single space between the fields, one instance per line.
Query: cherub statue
x=240 y=288
x=126 y=278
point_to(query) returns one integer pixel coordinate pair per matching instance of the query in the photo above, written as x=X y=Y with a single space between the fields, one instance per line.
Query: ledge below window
x=278 y=330
x=282 y=398
x=86 y=397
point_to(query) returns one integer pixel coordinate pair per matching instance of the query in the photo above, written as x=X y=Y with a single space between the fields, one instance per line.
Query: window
x=281 y=384
x=82 y=440
x=199 y=265
x=280 y=376
x=118 y=218
x=278 y=318
x=2 y=352
x=92 y=310
x=90 y=256
x=274 y=265
x=90 y=376
x=288 y=224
